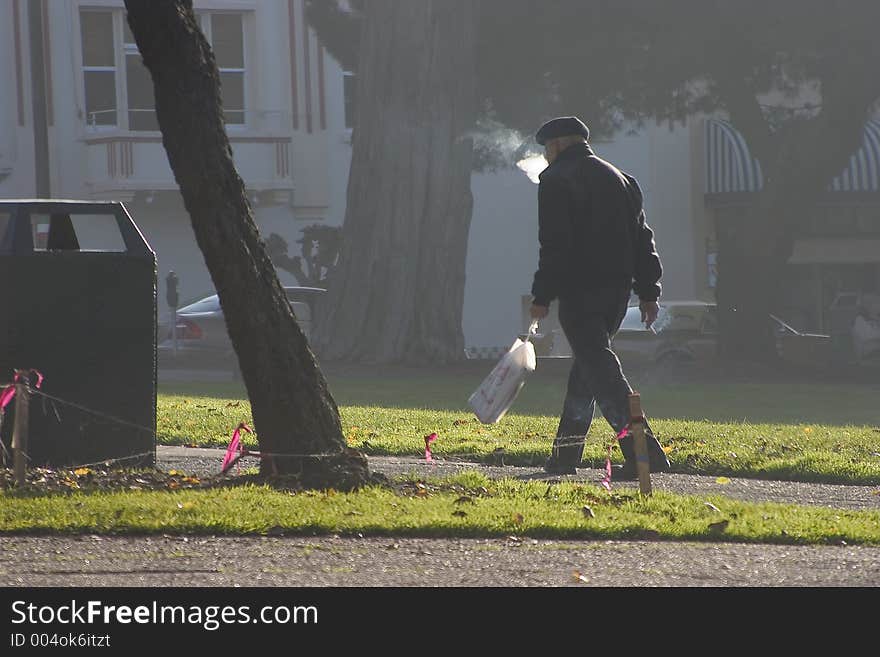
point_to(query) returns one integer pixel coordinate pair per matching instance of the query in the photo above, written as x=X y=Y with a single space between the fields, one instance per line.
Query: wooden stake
x=20 y=433
x=637 y=429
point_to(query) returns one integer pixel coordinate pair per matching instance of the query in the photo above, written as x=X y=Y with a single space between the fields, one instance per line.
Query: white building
x=285 y=107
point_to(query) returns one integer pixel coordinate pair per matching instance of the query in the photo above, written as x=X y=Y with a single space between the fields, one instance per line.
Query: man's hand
x=539 y=312
x=650 y=310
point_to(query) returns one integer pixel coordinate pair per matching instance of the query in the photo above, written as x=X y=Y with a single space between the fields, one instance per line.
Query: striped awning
x=730 y=167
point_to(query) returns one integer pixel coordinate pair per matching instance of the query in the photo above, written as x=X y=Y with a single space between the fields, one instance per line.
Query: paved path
x=336 y=561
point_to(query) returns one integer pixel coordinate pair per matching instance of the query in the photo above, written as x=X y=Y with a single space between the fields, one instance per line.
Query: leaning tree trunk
x=293 y=410
x=398 y=291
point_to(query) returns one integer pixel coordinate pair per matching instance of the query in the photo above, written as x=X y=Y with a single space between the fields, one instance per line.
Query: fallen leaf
x=808 y=430
x=668 y=449
x=579 y=577
x=233 y=404
x=588 y=512
x=79 y=472
x=713 y=507
x=174 y=472
x=518 y=518
x=719 y=527
x=722 y=480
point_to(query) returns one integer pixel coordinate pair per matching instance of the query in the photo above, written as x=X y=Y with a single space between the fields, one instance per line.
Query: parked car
x=201 y=327
x=687 y=332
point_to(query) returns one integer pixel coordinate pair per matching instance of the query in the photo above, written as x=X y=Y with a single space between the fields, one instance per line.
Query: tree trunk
x=799 y=161
x=293 y=410
x=398 y=291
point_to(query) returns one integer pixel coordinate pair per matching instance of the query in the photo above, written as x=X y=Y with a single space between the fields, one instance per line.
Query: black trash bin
x=79 y=305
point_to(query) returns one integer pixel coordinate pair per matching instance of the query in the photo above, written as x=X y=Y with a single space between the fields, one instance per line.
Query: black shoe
x=552 y=466
x=625 y=472
x=658 y=465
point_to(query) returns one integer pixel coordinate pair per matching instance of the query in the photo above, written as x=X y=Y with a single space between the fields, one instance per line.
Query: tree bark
x=293 y=410
x=398 y=291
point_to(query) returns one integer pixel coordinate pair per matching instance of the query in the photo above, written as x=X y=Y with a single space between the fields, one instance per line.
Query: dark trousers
x=589 y=321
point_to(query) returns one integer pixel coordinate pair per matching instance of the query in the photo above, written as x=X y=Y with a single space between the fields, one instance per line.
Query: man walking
x=595 y=248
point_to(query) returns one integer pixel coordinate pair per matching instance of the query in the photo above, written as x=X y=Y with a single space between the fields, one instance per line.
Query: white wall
x=16 y=142
x=8 y=100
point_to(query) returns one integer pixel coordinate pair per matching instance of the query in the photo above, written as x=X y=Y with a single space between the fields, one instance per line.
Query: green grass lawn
x=804 y=432
x=465 y=505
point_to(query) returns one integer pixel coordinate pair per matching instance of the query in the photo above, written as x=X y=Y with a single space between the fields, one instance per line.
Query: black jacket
x=592 y=230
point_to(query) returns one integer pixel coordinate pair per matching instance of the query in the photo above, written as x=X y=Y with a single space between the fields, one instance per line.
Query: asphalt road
x=335 y=561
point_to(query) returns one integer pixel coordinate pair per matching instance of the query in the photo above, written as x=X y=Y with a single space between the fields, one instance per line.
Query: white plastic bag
x=498 y=390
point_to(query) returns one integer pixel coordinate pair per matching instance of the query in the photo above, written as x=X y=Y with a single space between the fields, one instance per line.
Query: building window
x=348 y=90
x=119 y=88
x=226 y=35
x=138 y=84
x=99 y=67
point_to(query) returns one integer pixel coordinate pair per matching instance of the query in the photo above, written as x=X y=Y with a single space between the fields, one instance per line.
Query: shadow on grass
x=682 y=395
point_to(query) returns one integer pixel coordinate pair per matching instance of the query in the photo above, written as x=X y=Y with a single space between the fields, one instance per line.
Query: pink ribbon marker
x=606 y=480
x=39 y=378
x=9 y=391
x=6 y=397
x=428 y=440
x=235 y=445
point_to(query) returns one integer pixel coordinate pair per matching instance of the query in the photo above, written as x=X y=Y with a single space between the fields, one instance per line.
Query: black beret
x=561 y=126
